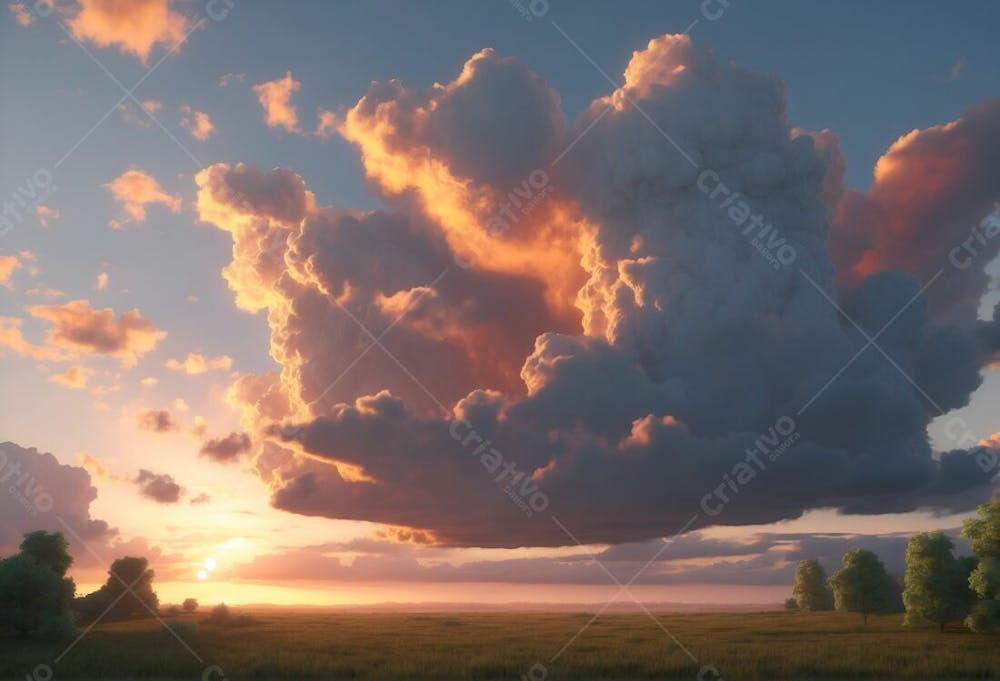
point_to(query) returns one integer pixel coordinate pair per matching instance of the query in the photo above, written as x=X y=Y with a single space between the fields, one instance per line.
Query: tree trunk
x=864 y=616
x=941 y=627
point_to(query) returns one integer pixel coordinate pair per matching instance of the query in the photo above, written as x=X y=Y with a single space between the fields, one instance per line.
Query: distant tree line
x=936 y=588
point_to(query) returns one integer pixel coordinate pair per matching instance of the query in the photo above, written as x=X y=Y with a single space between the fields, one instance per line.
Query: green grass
x=439 y=647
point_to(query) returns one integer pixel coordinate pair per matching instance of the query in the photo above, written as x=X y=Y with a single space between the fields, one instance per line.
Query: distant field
x=770 y=645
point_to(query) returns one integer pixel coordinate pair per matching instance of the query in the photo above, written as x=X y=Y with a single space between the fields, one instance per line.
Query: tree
x=936 y=584
x=791 y=604
x=48 y=548
x=984 y=534
x=34 y=597
x=863 y=585
x=190 y=605
x=810 y=590
x=127 y=593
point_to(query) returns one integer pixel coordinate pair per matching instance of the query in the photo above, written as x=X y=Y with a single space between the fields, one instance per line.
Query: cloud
x=21 y=14
x=159 y=487
x=275 y=96
x=8 y=264
x=200 y=499
x=931 y=206
x=74 y=377
x=228 y=79
x=134 y=190
x=197 y=123
x=327 y=124
x=45 y=292
x=46 y=215
x=599 y=336
x=149 y=381
x=42 y=494
x=102 y=281
x=135 y=28
x=156 y=421
x=196 y=363
x=958 y=67
x=761 y=559
x=226 y=448
x=13 y=339
x=138 y=114
x=78 y=327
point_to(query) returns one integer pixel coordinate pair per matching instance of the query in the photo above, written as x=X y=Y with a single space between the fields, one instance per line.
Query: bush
x=791 y=604
x=223 y=616
x=190 y=605
x=220 y=614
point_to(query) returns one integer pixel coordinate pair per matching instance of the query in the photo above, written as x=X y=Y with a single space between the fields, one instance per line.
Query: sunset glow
x=333 y=312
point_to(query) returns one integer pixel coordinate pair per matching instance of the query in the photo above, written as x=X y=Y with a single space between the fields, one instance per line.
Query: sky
x=346 y=303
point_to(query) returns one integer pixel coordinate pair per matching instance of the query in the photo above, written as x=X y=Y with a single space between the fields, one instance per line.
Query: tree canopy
x=936 y=583
x=984 y=534
x=863 y=585
x=810 y=590
x=35 y=594
x=127 y=593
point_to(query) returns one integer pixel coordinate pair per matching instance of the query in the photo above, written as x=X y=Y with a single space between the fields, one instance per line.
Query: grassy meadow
x=441 y=646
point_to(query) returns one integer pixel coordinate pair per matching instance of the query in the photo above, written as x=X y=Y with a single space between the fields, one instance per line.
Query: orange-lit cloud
x=196 y=363
x=136 y=114
x=8 y=263
x=21 y=14
x=134 y=190
x=198 y=123
x=488 y=179
x=74 y=377
x=135 y=28
x=79 y=327
x=927 y=209
x=600 y=318
x=327 y=124
x=12 y=339
x=45 y=292
x=275 y=96
x=101 y=282
x=46 y=215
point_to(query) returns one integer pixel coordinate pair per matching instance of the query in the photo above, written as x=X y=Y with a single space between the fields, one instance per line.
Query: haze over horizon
x=573 y=299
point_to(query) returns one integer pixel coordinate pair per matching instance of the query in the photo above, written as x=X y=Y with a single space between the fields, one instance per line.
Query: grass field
x=767 y=645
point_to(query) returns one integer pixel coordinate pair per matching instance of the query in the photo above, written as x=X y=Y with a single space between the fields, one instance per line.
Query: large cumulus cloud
x=617 y=344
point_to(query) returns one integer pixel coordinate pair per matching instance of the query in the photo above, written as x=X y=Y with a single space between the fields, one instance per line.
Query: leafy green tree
x=34 y=597
x=984 y=534
x=936 y=583
x=127 y=593
x=810 y=590
x=863 y=585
